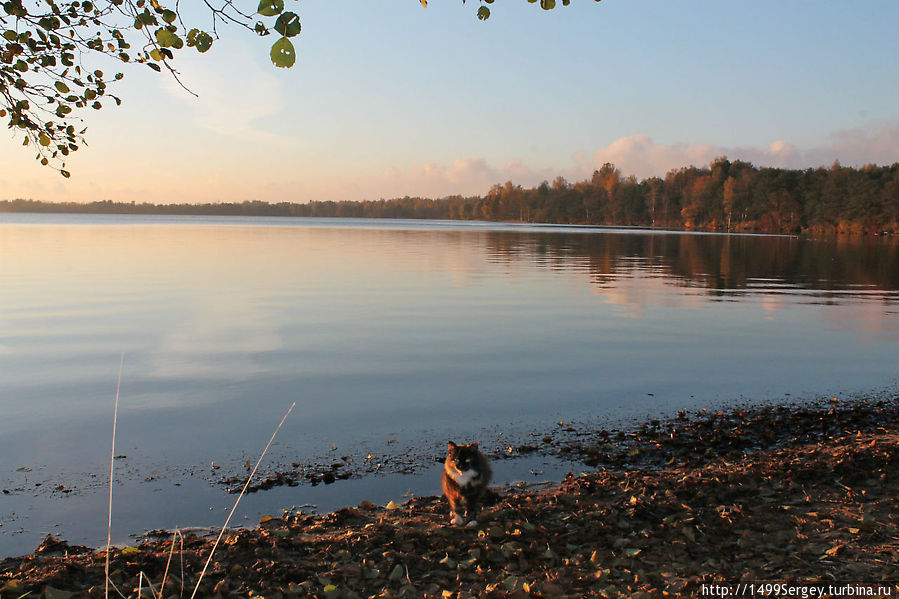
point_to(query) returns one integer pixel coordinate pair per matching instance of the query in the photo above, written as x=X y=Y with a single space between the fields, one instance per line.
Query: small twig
x=234 y=508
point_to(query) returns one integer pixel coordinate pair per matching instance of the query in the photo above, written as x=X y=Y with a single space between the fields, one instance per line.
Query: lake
x=392 y=337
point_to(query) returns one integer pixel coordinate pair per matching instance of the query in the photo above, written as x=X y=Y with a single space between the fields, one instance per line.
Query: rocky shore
x=788 y=494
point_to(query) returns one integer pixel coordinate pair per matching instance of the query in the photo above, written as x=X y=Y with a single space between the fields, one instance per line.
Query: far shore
x=471 y=210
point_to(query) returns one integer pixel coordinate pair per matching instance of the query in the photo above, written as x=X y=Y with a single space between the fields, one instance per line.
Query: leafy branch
x=47 y=48
x=46 y=83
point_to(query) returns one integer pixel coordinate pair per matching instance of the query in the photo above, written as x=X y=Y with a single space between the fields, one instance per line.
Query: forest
x=727 y=196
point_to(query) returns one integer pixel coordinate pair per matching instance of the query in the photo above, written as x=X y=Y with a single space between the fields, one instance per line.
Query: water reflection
x=847 y=268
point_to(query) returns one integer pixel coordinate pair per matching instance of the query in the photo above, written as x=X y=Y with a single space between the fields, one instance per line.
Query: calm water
x=391 y=337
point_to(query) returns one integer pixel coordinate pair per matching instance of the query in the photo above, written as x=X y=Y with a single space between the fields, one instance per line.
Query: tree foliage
x=484 y=10
x=52 y=51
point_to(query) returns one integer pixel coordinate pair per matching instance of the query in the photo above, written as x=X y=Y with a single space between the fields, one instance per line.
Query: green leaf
x=288 y=24
x=270 y=8
x=168 y=39
x=15 y=9
x=483 y=13
x=61 y=87
x=44 y=140
x=156 y=54
x=169 y=16
x=204 y=41
x=65 y=174
x=547 y=4
x=283 y=53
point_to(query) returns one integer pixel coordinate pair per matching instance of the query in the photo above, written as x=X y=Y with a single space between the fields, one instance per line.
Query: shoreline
x=683 y=438
x=798 y=493
x=817 y=233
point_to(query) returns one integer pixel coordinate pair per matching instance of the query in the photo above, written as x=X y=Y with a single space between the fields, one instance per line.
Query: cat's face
x=464 y=457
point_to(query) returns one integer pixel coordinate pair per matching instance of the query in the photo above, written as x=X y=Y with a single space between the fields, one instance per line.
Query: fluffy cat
x=466 y=474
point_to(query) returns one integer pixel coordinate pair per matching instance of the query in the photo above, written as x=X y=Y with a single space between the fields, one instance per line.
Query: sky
x=389 y=99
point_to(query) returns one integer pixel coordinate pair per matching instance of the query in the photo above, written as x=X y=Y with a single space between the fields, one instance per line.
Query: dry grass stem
x=242 y=491
x=176 y=535
x=115 y=414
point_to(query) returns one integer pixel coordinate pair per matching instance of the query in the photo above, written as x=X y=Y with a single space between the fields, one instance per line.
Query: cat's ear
x=452 y=446
x=474 y=444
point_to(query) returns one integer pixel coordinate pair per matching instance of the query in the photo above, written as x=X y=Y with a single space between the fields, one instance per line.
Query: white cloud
x=857 y=147
x=465 y=176
x=640 y=155
x=233 y=93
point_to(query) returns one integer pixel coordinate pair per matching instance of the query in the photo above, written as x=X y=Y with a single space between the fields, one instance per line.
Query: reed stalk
x=115 y=415
x=177 y=533
x=242 y=491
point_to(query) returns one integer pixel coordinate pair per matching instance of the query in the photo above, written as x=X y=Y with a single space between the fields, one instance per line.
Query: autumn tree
x=655 y=196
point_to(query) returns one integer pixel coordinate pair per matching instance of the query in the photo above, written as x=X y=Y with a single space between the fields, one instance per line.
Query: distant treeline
x=725 y=196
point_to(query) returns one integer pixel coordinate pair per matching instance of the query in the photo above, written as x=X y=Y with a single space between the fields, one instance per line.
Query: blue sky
x=390 y=99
